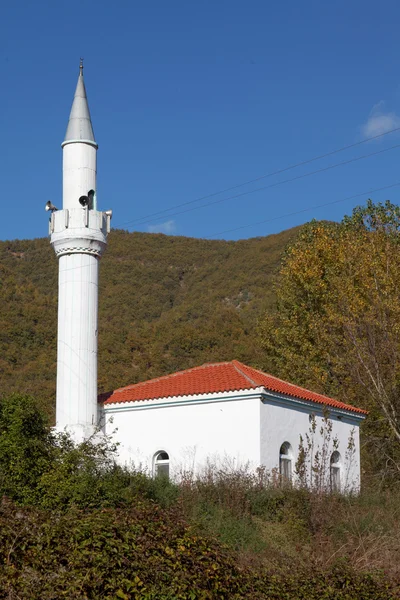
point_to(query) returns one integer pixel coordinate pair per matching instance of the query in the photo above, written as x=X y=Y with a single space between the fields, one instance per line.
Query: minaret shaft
x=77 y=342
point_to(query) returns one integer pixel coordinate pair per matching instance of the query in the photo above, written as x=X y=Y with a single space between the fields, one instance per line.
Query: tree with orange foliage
x=337 y=324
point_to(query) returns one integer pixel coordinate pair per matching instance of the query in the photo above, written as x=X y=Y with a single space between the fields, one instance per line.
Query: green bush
x=144 y=552
x=26 y=448
x=84 y=475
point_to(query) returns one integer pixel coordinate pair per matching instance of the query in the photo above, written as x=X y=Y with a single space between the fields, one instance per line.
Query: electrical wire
x=298 y=212
x=278 y=183
x=278 y=172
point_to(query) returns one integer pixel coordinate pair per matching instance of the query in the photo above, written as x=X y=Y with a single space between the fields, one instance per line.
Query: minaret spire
x=79 y=237
x=80 y=127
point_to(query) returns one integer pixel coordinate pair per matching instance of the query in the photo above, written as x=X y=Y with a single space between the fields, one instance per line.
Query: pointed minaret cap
x=80 y=125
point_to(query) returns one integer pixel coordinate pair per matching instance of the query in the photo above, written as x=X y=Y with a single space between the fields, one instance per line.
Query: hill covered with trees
x=166 y=303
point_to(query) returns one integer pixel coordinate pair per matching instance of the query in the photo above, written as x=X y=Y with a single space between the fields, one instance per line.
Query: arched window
x=161 y=464
x=285 y=461
x=335 y=471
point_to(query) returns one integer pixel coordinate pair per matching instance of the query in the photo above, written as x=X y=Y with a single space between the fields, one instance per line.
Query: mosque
x=222 y=414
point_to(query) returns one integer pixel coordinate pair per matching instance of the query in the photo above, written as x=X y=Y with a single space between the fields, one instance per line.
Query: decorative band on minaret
x=79 y=237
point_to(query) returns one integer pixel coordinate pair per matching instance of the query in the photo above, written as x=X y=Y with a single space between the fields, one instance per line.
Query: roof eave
x=221 y=396
x=340 y=410
x=181 y=399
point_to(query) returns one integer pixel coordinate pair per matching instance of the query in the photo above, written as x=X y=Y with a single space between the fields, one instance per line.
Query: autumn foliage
x=337 y=324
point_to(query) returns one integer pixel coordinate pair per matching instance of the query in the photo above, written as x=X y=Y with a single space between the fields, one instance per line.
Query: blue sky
x=190 y=98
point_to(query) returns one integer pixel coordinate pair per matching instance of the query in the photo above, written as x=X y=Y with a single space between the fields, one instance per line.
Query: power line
x=276 y=184
x=294 y=166
x=298 y=212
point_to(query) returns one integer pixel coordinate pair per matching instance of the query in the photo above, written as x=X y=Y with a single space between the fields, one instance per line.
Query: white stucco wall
x=232 y=430
x=284 y=421
x=192 y=430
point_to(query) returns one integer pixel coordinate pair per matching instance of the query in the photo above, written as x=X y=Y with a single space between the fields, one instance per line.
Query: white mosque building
x=223 y=413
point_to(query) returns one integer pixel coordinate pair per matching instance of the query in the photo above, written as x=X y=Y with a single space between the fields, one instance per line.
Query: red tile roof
x=217 y=377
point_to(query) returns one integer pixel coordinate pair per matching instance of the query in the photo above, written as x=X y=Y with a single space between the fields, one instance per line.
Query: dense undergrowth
x=148 y=552
x=75 y=525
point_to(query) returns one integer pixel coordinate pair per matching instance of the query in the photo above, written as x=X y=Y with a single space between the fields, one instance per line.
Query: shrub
x=42 y=468
x=84 y=475
x=146 y=552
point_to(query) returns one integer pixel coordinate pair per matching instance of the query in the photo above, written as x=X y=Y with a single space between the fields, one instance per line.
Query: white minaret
x=79 y=237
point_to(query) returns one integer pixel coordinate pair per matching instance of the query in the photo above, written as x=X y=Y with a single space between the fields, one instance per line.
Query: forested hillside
x=166 y=303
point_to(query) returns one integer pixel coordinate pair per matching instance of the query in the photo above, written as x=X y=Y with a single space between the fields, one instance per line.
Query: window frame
x=335 y=472
x=164 y=463
x=285 y=462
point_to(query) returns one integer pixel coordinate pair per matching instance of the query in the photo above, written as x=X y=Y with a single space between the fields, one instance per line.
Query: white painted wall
x=224 y=429
x=280 y=423
x=190 y=433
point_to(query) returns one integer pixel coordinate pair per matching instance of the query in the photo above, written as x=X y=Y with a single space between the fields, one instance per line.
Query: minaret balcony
x=79 y=231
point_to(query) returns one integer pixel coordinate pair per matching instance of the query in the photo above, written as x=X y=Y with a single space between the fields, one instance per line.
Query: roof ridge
x=239 y=370
x=295 y=385
x=164 y=377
